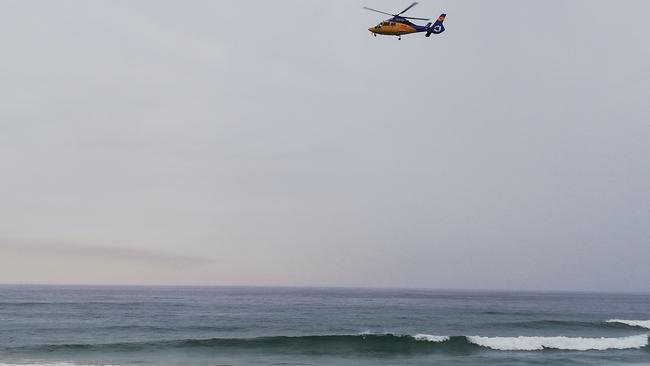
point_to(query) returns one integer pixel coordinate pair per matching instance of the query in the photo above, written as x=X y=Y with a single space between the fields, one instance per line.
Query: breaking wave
x=560 y=343
x=366 y=344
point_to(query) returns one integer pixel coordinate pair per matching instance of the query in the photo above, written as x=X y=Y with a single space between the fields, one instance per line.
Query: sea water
x=65 y=326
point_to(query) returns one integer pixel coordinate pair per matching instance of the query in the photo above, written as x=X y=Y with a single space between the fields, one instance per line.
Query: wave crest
x=387 y=344
x=632 y=323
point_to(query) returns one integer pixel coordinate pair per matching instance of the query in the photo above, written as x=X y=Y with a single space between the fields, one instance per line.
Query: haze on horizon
x=278 y=143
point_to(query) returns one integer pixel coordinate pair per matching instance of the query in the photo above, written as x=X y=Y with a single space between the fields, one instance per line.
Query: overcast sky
x=279 y=143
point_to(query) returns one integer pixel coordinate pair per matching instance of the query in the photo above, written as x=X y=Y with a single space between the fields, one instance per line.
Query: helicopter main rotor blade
x=416 y=18
x=378 y=11
x=407 y=9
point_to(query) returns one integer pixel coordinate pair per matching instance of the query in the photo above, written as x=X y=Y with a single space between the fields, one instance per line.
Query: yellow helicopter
x=399 y=25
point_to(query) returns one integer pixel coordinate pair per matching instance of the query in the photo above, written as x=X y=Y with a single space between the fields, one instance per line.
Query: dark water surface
x=280 y=326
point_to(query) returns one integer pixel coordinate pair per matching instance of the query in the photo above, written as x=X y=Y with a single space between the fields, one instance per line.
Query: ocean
x=65 y=326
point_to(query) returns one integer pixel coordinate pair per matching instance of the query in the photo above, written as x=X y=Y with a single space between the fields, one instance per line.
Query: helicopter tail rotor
x=437 y=27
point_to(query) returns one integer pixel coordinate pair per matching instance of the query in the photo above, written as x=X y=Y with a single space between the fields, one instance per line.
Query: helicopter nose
x=372 y=29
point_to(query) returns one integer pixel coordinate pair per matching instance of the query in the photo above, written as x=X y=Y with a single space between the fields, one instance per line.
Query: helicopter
x=399 y=25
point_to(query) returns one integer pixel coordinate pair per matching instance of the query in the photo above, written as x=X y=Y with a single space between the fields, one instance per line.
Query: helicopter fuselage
x=397 y=27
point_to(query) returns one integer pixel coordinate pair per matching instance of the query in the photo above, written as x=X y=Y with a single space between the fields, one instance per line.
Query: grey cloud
x=88 y=251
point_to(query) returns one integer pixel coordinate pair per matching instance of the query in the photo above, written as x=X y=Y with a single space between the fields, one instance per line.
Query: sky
x=277 y=143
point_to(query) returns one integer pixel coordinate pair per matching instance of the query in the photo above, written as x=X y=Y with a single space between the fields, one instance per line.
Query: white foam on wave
x=559 y=343
x=430 y=338
x=632 y=323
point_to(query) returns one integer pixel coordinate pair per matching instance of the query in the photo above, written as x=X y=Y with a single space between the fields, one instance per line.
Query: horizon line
x=331 y=287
